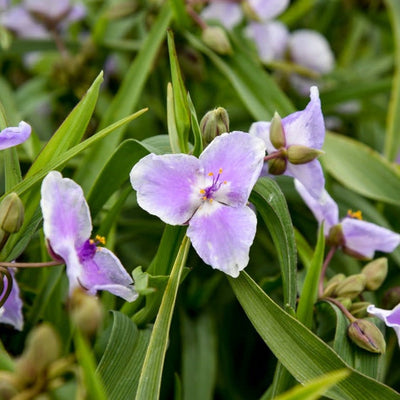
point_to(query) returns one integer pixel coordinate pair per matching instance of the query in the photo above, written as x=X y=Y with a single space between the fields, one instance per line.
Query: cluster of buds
x=348 y=292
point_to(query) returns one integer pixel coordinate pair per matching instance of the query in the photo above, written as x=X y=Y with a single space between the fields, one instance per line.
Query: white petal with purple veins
x=240 y=156
x=222 y=236
x=365 y=237
x=15 y=135
x=391 y=318
x=167 y=186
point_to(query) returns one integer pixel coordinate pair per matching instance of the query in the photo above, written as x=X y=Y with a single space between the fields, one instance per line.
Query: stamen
x=202 y=191
x=101 y=239
x=220 y=171
x=210 y=174
x=355 y=214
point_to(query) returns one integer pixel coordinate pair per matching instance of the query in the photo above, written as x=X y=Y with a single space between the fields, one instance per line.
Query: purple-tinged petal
x=15 y=135
x=11 y=312
x=391 y=318
x=268 y=9
x=310 y=175
x=222 y=236
x=105 y=272
x=166 y=186
x=260 y=130
x=324 y=208
x=50 y=8
x=240 y=156
x=228 y=14
x=271 y=39
x=77 y=12
x=66 y=216
x=365 y=238
x=311 y=50
x=306 y=127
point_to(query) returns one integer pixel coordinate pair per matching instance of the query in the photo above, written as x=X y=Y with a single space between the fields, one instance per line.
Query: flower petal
x=228 y=14
x=310 y=175
x=166 y=186
x=11 y=312
x=365 y=238
x=241 y=157
x=310 y=49
x=268 y=9
x=324 y=208
x=222 y=236
x=271 y=39
x=105 y=272
x=306 y=127
x=260 y=130
x=15 y=135
x=66 y=216
x=49 y=8
x=391 y=318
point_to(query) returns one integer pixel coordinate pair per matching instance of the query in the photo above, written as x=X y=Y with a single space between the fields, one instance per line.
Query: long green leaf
x=150 y=377
x=304 y=354
x=361 y=169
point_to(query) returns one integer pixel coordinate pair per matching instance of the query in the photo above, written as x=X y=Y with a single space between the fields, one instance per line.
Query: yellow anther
x=220 y=171
x=210 y=174
x=202 y=191
x=354 y=214
x=210 y=200
x=204 y=198
x=101 y=239
x=225 y=182
x=91 y=241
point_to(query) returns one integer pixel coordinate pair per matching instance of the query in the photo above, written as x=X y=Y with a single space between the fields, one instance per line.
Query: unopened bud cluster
x=213 y=124
x=348 y=291
x=11 y=216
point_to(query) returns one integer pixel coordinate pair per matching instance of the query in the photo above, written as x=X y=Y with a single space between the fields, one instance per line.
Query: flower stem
x=328 y=259
x=31 y=265
x=275 y=154
x=343 y=309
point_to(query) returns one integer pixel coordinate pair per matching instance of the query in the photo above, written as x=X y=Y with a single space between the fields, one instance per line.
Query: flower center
x=208 y=192
x=354 y=214
x=89 y=248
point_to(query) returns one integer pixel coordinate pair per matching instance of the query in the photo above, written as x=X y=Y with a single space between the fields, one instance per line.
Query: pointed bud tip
x=276 y=133
x=299 y=154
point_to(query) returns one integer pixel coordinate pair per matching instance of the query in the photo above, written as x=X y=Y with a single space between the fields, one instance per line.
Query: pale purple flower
x=391 y=318
x=300 y=128
x=355 y=236
x=11 y=311
x=14 y=135
x=67 y=227
x=267 y=9
x=208 y=193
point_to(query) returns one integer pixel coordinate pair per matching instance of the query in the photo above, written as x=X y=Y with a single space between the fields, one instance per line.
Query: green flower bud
x=42 y=348
x=86 y=312
x=216 y=38
x=213 y=124
x=276 y=134
x=299 y=154
x=351 y=286
x=375 y=272
x=277 y=166
x=7 y=390
x=11 y=213
x=332 y=284
x=346 y=301
x=366 y=335
x=249 y=12
x=335 y=236
x=391 y=298
x=359 y=309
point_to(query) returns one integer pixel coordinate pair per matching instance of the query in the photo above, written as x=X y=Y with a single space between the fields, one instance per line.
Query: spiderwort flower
x=391 y=318
x=11 y=311
x=355 y=236
x=302 y=130
x=12 y=136
x=209 y=194
x=67 y=226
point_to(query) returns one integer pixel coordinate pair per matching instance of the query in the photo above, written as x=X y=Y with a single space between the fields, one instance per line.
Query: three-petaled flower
x=67 y=226
x=208 y=193
x=301 y=132
x=391 y=318
x=355 y=236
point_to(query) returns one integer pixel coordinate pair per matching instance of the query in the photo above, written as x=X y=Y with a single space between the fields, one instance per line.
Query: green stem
x=31 y=265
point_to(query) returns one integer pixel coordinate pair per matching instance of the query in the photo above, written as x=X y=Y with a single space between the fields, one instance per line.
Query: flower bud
x=42 y=348
x=216 y=38
x=345 y=301
x=86 y=312
x=250 y=12
x=332 y=284
x=375 y=272
x=299 y=154
x=359 y=309
x=213 y=124
x=351 y=286
x=366 y=335
x=335 y=236
x=11 y=213
x=277 y=166
x=391 y=298
x=276 y=133
x=7 y=390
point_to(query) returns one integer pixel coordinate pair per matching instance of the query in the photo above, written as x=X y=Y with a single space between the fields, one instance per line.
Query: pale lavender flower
x=391 y=318
x=208 y=193
x=67 y=226
x=11 y=311
x=267 y=9
x=356 y=237
x=12 y=136
x=305 y=128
